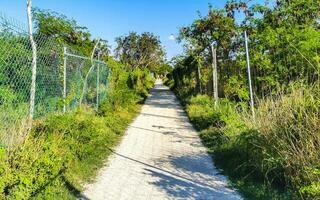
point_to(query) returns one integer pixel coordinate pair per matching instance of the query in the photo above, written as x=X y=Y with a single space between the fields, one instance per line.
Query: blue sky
x=109 y=19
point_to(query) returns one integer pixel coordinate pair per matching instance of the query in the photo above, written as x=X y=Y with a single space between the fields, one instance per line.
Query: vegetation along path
x=160 y=157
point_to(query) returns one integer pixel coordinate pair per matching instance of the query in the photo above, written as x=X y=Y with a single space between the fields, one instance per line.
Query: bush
x=213 y=137
x=64 y=150
x=141 y=81
x=280 y=147
x=203 y=114
x=120 y=94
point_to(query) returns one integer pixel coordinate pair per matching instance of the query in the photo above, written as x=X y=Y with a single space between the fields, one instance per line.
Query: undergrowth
x=274 y=156
x=64 y=151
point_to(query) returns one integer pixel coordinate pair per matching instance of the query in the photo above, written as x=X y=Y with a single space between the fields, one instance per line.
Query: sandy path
x=160 y=157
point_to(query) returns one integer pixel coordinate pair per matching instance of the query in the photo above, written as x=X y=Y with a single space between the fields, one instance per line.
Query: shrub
x=213 y=137
x=119 y=94
x=202 y=113
x=61 y=152
x=64 y=150
x=141 y=81
x=31 y=166
x=280 y=147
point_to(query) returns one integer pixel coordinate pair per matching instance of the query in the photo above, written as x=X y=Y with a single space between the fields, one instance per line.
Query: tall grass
x=13 y=124
x=287 y=136
x=280 y=148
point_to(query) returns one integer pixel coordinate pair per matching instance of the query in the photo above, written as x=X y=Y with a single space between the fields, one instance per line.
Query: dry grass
x=289 y=136
x=280 y=148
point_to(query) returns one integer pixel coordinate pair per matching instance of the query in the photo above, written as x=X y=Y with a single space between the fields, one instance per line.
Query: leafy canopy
x=140 y=51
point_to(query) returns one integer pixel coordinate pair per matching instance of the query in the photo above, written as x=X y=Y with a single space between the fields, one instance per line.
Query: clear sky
x=109 y=19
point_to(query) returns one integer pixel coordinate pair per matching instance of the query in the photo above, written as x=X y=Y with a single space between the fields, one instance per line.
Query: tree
x=140 y=51
x=66 y=31
x=163 y=69
x=216 y=27
x=284 y=45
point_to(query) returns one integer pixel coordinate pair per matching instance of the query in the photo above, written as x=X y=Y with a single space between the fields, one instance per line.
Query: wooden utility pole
x=214 y=75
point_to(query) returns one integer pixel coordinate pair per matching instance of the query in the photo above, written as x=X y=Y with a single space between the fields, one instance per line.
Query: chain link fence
x=86 y=80
x=64 y=79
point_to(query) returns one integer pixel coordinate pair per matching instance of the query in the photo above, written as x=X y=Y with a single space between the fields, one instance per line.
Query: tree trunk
x=199 y=79
x=214 y=76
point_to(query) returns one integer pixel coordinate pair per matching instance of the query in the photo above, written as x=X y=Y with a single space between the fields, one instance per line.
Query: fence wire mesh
x=86 y=80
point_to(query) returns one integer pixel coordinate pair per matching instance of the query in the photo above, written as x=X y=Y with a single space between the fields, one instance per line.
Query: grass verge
x=62 y=152
x=275 y=156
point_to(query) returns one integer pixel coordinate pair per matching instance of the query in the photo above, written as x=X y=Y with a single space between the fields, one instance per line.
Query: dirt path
x=160 y=157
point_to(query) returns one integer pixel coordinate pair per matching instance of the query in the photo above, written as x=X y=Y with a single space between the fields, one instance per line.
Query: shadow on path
x=162 y=116
x=146 y=129
x=160 y=169
x=162 y=159
x=174 y=133
x=180 y=186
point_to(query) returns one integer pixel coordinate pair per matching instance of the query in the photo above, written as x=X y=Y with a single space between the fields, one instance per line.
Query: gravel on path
x=160 y=157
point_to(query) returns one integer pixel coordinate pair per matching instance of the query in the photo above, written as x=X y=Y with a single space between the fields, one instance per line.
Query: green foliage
x=283 y=46
x=288 y=130
x=31 y=167
x=213 y=137
x=140 y=81
x=67 y=32
x=62 y=150
x=119 y=92
x=182 y=82
x=202 y=114
x=140 y=51
x=280 y=148
x=163 y=69
x=236 y=89
x=216 y=26
x=312 y=190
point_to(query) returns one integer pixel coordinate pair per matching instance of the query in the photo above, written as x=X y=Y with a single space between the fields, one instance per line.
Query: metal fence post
x=64 y=78
x=98 y=81
x=33 y=67
x=249 y=75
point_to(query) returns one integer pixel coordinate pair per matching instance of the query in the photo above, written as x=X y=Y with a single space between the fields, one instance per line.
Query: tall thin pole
x=64 y=78
x=85 y=84
x=249 y=74
x=33 y=65
x=214 y=75
x=98 y=81
x=199 y=78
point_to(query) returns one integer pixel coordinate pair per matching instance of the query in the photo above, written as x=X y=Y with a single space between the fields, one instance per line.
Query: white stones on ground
x=160 y=157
